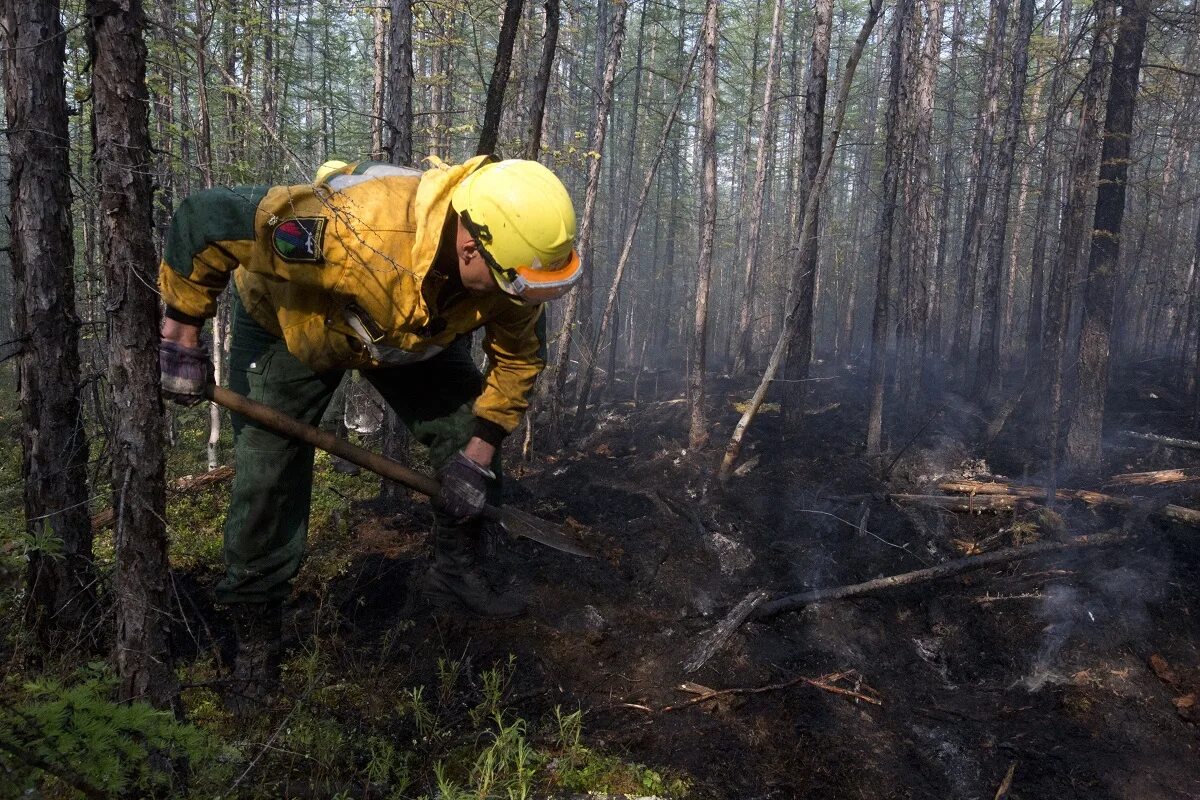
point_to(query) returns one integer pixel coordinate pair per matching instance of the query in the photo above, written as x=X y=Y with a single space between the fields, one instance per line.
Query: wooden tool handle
x=292 y=428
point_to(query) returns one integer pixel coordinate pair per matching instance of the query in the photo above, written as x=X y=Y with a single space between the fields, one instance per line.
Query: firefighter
x=385 y=270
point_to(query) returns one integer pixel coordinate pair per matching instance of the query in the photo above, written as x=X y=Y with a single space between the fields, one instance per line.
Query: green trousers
x=267 y=523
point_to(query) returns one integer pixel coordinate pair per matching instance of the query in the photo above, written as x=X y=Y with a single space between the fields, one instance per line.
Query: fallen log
x=992 y=496
x=182 y=485
x=1157 y=477
x=725 y=628
x=946 y=569
x=971 y=503
x=1169 y=441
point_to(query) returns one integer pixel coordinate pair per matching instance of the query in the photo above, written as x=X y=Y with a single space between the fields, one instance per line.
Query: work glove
x=464 y=488
x=185 y=372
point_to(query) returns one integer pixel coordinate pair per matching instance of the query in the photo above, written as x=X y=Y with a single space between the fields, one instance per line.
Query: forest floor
x=1078 y=672
x=1075 y=675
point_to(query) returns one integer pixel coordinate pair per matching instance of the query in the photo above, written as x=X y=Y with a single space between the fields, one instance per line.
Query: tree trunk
x=766 y=135
x=808 y=224
x=541 y=85
x=1071 y=236
x=400 y=84
x=499 y=81
x=698 y=422
x=975 y=224
x=606 y=317
x=805 y=256
x=1085 y=431
x=992 y=306
x=1050 y=170
x=379 y=39
x=934 y=334
x=556 y=387
x=55 y=451
x=897 y=100
x=121 y=139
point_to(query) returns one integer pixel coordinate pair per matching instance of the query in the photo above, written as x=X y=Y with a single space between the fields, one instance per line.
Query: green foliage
x=75 y=734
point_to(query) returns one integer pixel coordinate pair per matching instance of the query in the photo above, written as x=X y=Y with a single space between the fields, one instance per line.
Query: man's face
x=472 y=269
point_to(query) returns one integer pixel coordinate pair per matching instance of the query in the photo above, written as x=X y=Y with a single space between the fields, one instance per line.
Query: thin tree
x=992 y=307
x=1080 y=179
x=499 y=82
x=974 y=223
x=606 y=316
x=378 y=75
x=698 y=422
x=54 y=449
x=556 y=386
x=897 y=99
x=933 y=337
x=766 y=137
x=399 y=116
x=121 y=141
x=1084 y=433
x=808 y=225
x=541 y=84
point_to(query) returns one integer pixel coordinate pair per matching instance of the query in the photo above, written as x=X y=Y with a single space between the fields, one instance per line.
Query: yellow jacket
x=341 y=270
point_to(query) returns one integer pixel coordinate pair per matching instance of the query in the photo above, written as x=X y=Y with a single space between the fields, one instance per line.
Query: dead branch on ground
x=1169 y=441
x=994 y=496
x=725 y=628
x=825 y=683
x=182 y=485
x=944 y=570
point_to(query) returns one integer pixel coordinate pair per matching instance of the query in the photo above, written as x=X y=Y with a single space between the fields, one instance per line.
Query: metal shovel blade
x=520 y=523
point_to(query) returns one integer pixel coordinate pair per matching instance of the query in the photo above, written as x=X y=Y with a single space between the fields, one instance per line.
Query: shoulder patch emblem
x=300 y=239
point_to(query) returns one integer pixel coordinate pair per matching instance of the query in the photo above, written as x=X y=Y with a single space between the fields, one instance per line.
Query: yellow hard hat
x=327 y=169
x=522 y=219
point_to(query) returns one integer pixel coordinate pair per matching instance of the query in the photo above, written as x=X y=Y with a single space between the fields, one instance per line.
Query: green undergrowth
x=352 y=726
x=336 y=732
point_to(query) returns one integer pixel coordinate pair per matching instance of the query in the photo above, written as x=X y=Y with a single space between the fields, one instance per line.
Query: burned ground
x=1080 y=669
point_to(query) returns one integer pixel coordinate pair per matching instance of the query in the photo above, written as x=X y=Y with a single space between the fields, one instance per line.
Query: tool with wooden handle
x=517 y=523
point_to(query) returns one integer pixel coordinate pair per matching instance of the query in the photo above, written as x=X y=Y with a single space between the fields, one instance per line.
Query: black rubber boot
x=259 y=652
x=454 y=581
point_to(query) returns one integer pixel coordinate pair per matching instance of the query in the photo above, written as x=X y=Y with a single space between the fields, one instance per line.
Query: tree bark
x=379 y=39
x=974 y=224
x=1085 y=432
x=556 y=386
x=805 y=255
x=697 y=417
x=992 y=306
x=541 y=85
x=59 y=596
x=123 y=159
x=938 y=295
x=1071 y=235
x=499 y=82
x=808 y=224
x=766 y=135
x=400 y=84
x=897 y=100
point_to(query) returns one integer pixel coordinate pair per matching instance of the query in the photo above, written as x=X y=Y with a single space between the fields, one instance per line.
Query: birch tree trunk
x=1085 y=431
x=379 y=38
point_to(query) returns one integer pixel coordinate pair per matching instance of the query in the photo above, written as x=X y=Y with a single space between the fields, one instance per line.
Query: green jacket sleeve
x=212 y=231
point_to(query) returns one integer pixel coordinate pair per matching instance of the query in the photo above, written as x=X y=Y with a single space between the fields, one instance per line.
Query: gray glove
x=464 y=488
x=185 y=372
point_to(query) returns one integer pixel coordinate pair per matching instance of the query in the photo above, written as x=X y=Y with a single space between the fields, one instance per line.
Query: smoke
x=1099 y=610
